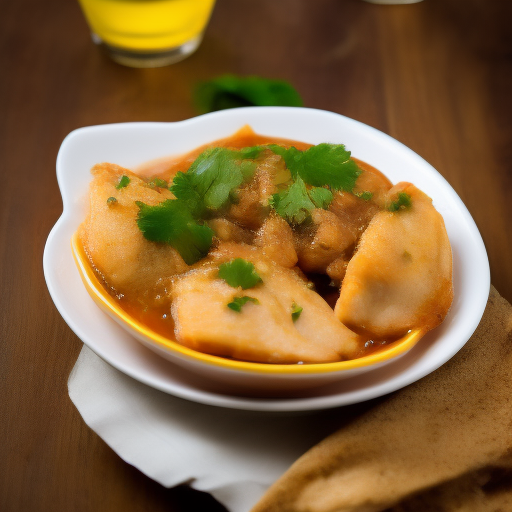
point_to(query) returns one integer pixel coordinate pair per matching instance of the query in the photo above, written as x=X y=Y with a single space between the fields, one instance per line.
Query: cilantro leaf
x=247 y=168
x=216 y=173
x=172 y=223
x=289 y=155
x=403 y=202
x=231 y=91
x=239 y=272
x=281 y=150
x=324 y=164
x=123 y=182
x=296 y=311
x=366 y=195
x=293 y=204
x=322 y=197
x=183 y=189
x=158 y=182
x=251 y=152
x=237 y=302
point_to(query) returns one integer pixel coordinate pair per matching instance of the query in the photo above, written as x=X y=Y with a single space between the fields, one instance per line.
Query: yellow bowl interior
x=108 y=304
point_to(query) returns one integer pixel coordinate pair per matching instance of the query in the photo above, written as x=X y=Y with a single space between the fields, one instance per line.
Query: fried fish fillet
x=400 y=277
x=110 y=235
x=264 y=331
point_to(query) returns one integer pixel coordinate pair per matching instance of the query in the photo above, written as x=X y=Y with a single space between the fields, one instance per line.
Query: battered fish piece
x=110 y=236
x=400 y=277
x=263 y=332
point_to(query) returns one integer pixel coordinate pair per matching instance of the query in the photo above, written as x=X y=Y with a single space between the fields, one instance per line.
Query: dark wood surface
x=435 y=75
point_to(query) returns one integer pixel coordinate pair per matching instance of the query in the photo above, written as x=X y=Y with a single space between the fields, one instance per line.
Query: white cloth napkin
x=234 y=455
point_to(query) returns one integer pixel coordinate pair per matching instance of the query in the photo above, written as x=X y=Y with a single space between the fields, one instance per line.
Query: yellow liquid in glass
x=147 y=25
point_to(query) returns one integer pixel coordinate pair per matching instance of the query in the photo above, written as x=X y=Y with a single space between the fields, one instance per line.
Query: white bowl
x=132 y=144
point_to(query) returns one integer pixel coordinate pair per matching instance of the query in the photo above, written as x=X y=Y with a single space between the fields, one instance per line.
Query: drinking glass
x=147 y=33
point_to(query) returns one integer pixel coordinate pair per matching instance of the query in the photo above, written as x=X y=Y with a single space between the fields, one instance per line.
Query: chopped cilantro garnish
x=366 y=195
x=293 y=204
x=296 y=311
x=171 y=222
x=322 y=197
x=111 y=200
x=403 y=202
x=247 y=168
x=239 y=272
x=213 y=176
x=324 y=164
x=183 y=188
x=296 y=202
x=237 y=302
x=282 y=151
x=210 y=183
x=251 y=152
x=123 y=182
x=230 y=91
x=158 y=182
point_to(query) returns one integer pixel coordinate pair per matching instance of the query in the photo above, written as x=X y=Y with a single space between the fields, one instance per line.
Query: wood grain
x=435 y=75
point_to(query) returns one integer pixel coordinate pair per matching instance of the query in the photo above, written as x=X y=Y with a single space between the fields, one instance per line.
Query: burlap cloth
x=442 y=444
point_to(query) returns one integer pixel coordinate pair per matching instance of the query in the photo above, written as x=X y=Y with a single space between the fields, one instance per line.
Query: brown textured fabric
x=443 y=444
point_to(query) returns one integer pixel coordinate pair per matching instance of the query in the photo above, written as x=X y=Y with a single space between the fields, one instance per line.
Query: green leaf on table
x=231 y=91
x=171 y=222
x=239 y=272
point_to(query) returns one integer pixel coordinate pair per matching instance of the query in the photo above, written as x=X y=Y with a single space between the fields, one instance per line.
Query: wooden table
x=435 y=75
